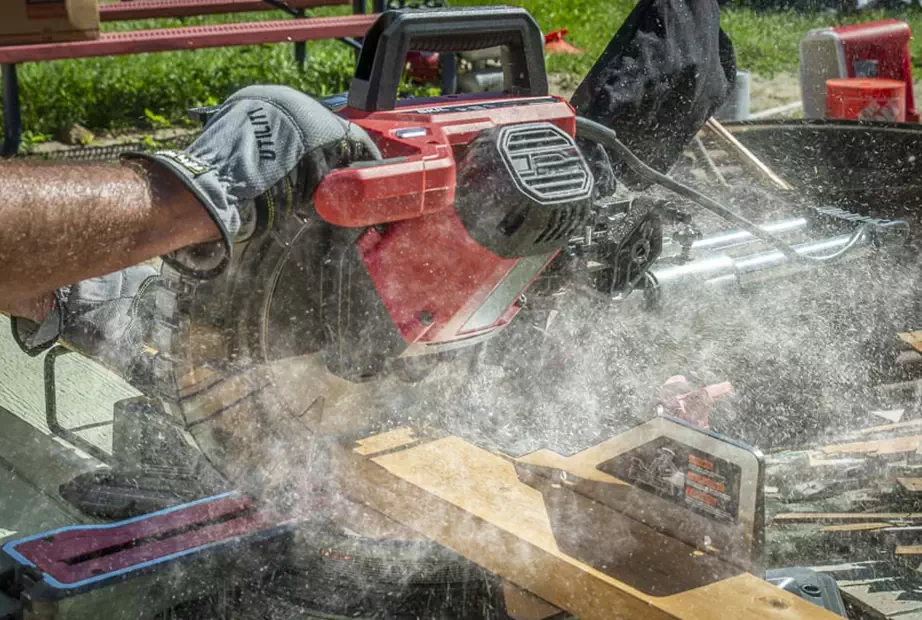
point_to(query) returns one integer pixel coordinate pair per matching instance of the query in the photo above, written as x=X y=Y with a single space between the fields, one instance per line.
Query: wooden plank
x=876 y=447
x=908 y=550
x=473 y=502
x=522 y=605
x=152 y=9
x=815 y=459
x=42 y=462
x=855 y=517
x=193 y=37
x=86 y=391
x=886 y=428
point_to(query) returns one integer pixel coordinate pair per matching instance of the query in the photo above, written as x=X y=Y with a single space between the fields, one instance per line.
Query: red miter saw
x=495 y=185
x=364 y=318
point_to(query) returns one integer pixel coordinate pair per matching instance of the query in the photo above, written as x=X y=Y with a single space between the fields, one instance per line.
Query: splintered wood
x=887 y=428
x=472 y=501
x=861 y=502
x=857 y=527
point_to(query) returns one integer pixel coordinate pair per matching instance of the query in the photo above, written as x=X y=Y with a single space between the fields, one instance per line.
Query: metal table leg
x=12 y=113
x=301 y=46
x=51 y=410
x=359 y=7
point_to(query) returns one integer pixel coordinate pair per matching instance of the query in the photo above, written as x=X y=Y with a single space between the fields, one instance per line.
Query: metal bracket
x=51 y=412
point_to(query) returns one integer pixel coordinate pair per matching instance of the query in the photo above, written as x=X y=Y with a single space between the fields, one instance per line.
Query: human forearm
x=60 y=224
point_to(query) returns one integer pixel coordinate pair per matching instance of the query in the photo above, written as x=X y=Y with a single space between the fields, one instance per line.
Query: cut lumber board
x=815 y=459
x=886 y=428
x=473 y=502
x=908 y=550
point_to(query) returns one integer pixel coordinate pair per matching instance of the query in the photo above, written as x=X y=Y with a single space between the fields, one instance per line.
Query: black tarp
x=667 y=69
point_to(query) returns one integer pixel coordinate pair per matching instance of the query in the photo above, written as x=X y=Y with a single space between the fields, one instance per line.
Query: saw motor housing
x=474 y=197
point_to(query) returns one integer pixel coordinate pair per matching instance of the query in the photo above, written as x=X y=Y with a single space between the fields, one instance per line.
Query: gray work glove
x=105 y=318
x=260 y=157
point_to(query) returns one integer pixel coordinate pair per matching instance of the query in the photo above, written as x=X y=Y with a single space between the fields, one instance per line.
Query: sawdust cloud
x=572 y=370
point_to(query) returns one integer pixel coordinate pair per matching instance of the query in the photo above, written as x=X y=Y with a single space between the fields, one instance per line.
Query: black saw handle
x=384 y=51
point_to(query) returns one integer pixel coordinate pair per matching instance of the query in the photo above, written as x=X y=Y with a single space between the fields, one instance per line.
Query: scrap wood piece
x=877 y=447
x=892 y=415
x=908 y=550
x=854 y=517
x=885 y=428
x=523 y=605
x=748 y=157
x=815 y=459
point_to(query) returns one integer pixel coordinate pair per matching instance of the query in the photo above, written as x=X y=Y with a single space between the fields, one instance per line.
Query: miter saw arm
x=475 y=195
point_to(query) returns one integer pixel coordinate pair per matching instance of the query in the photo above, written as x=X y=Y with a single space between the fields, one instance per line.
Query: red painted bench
x=192 y=37
x=152 y=9
x=348 y=28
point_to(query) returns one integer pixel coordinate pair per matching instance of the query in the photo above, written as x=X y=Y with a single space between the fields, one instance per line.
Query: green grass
x=115 y=93
x=127 y=91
